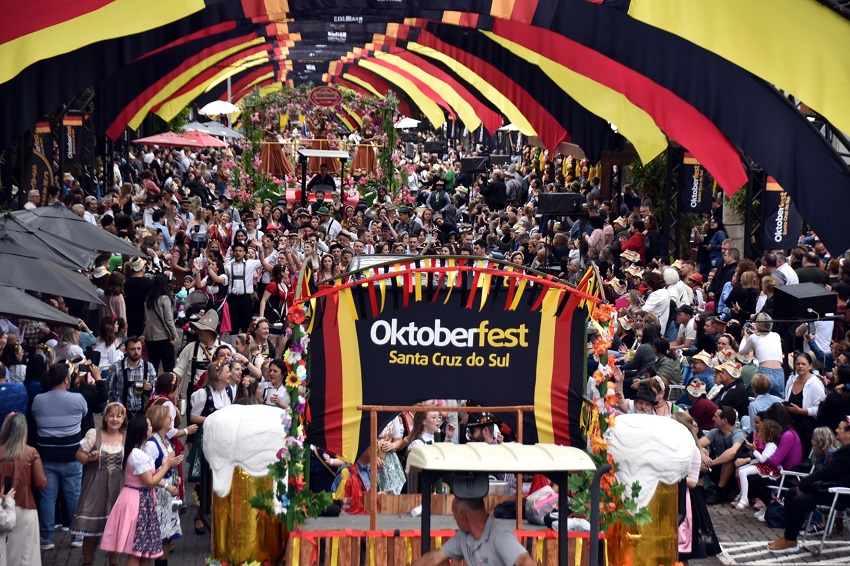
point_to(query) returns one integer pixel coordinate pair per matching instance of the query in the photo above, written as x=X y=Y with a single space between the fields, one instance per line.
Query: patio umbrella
x=64 y=224
x=24 y=269
x=220 y=130
x=203 y=138
x=167 y=139
x=218 y=107
x=407 y=123
x=57 y=250
x=17 y=303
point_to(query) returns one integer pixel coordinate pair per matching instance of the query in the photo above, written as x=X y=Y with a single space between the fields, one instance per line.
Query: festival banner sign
x=39 y=170
x=404 y=342
x=782 y=223
x=72 y=129
x=696 y=187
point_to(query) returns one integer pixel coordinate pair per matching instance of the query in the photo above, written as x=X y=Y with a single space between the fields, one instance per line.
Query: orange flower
x=611 y=400
x=297 y=482
x=603 y=313
x=598 y=377
x=598 y=444
x=601 y=347
x=610 y=420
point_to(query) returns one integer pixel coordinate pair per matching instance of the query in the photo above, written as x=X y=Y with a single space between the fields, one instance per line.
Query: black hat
x=645 y=393
x=687 y=309
x=480 y=419
x=235 y=245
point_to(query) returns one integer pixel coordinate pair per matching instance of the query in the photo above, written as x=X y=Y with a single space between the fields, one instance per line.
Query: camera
x=176 y=504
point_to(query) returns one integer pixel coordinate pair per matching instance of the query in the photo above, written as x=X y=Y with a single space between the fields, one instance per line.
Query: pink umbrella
x=202 y=138
x=168 y=139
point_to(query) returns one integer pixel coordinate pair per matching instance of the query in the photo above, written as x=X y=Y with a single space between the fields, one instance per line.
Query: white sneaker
x=760 y=514
x=76 y=541
x=47 y=544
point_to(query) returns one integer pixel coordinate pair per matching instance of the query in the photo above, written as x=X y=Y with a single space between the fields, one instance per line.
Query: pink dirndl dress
x=133 y=527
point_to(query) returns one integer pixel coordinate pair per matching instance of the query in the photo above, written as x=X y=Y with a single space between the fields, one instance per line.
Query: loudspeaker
x=473 y=164
x=501 y=160
x=408 y=137
x=793 y=301
x=558 y=203
x=435 y=147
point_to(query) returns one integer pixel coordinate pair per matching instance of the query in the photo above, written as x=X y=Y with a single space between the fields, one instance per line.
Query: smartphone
x=7 y=484
x=83 y=369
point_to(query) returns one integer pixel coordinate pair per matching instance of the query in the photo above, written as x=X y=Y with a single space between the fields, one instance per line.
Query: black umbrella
x=47 y=245
x=17 y=303
x=66 y=225
x=25 y=269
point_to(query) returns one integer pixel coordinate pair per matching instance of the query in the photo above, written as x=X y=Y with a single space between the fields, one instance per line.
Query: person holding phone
x=86 y=380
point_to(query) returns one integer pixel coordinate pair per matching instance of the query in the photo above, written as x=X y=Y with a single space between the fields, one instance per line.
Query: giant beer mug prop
x=240 y=441
x=656 y=452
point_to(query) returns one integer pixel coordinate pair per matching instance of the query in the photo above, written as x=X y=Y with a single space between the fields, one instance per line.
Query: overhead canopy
x=506 y=457
x=563 y=70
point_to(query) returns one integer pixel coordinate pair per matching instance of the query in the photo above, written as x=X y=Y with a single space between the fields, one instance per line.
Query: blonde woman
x=159 y=449
x=102 y=453
x=23 y=464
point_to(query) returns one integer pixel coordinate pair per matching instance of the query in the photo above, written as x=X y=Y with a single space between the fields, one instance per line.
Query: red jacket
x=635 y=243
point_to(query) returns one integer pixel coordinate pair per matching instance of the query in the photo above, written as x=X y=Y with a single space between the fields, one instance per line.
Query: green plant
x=649 y=180
x=178 y=123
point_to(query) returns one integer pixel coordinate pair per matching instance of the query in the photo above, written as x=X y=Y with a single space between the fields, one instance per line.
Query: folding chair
x=830 y=512
x=675 y=392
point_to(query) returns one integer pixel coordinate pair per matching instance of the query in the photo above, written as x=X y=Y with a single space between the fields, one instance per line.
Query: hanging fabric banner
x=782 y=223
x=696 y=186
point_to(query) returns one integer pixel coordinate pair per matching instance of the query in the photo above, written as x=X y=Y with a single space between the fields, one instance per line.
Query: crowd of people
x=198 y=316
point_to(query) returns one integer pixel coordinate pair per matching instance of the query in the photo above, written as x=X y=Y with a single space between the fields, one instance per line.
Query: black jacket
x=735 y=396
x=837 y=470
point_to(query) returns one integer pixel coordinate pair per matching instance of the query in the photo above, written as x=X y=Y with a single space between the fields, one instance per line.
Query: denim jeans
x=777 y=380
x=70 y=474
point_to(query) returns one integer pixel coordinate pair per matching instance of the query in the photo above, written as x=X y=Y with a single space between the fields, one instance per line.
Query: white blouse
x=140 y=462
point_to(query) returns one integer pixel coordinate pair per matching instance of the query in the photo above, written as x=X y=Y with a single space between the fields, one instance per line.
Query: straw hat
x=619 y=287
x=630 y=255
x=731 y=368
x=634 y=271
x=704 y=357
x=696 y=388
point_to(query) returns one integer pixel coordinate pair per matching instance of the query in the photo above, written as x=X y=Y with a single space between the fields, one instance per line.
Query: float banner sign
x=325 y=96
x=696 y=187
x=782 y=223
x=435 y=350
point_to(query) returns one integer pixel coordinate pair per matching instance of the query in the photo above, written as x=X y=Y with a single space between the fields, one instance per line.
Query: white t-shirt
x=688 y=331
x=768 y=347
x=108 y=354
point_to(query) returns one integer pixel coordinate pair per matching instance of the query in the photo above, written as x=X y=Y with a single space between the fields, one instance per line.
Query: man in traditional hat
x=644 y=402
x=329 y=223
x=239 y=275
x=195 y=358
x=734 y=393
x=226 y=205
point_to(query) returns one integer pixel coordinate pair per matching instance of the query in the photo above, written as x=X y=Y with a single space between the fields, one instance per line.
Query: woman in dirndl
x=391 y=477
x=101 y=452
x=133 y=526
x=167 y=490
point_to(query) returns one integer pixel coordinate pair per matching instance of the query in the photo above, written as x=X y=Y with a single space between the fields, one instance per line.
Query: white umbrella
x=406 y=123
x=218 y=107
x=509 y=128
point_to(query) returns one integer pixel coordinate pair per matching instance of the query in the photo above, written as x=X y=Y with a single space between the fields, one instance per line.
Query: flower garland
x=617 y=504
x=290 y=502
